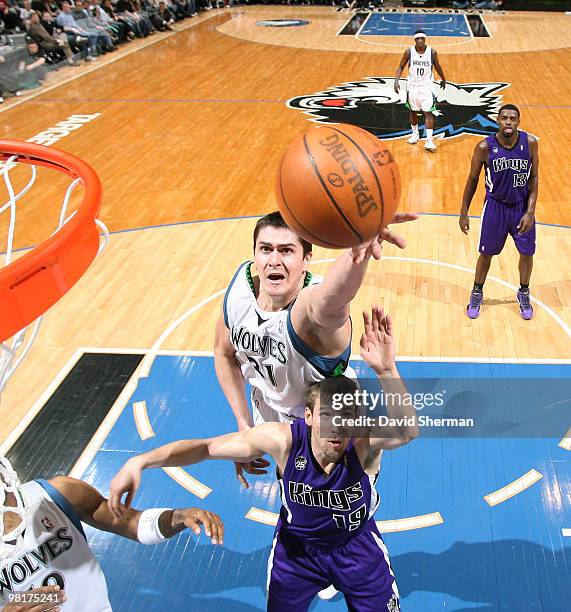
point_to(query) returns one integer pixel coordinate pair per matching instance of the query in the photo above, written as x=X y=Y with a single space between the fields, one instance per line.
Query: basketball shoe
x=430 y=146
x=413 y=138
x=525 y=307
x=473 y=308
x=328 y=593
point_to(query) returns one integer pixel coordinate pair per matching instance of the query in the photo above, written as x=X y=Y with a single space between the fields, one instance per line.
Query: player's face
x=328 y=439
x=420 y=43
x=508 y=122
x=280 y=262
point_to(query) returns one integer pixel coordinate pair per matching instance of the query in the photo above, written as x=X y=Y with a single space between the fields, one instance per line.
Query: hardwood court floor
x=192 y=128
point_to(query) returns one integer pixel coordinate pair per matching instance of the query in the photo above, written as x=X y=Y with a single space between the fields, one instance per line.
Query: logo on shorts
x=300 y=463
x=393 y=604
x=467 y=108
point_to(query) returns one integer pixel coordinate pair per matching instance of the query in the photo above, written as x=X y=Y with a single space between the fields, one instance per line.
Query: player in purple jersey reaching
x=511 y=161
x=326 y=533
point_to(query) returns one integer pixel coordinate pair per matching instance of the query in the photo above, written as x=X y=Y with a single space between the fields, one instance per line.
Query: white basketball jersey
x=272 y=357
x=55 y=551
x=420 y=67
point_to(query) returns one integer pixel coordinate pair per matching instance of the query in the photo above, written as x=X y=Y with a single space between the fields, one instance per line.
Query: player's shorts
x=263 y=413
x=421 y=98
x=360 y=569
x=499 y=220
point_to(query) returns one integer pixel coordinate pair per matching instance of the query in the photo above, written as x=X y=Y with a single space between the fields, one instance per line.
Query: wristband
x=148 y=531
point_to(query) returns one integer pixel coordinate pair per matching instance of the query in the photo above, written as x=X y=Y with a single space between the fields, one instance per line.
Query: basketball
x=337 y=186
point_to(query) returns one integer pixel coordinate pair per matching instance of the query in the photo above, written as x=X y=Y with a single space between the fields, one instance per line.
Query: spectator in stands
x=130 y=25
x=7 y=85
x=165 y=16
x=11 y=17
x=461 y=4
x=117 y=30
x=33 y=67
x=78 y=44
x=66 y=21
x=26 y=11
x=127 y=8
x=491 y=5
x=82 y=14
x=47 y=42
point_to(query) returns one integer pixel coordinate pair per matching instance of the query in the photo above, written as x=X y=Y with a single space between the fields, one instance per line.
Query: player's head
x=508 y=119
x=419 y=38
x=13 y=512
x=327 y=411
x=282 y=257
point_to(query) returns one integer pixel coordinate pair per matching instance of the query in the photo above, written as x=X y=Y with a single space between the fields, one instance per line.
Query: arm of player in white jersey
x=92 y=508
x=270 y=438
x=230 y=376
x=322 y=310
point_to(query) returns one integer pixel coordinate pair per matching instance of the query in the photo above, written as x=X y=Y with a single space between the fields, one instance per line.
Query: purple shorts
x=499 y=220
x=360 y=569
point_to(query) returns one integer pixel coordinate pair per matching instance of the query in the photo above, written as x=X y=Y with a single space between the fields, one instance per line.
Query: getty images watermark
x=451 y=407
x=362 y=408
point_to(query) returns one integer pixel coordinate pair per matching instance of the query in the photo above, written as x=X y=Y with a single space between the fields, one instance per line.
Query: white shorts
x=420 y=98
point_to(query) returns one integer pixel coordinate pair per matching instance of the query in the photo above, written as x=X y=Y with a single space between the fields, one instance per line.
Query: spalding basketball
x=337 y=186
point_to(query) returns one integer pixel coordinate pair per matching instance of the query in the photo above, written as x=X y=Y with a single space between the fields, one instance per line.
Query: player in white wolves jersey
x=283 y=329
x=420 y=97
x=42 y=541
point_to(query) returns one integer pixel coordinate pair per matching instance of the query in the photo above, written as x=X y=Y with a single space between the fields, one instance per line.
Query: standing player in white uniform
x=282 y=328
x=420 y=96
x=42 y=541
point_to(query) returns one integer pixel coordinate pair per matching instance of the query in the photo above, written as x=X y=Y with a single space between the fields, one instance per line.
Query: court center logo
x=467 y=108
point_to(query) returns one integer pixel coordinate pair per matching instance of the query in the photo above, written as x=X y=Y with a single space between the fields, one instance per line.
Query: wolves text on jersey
x=304 y=494
x=20 y=570
x=250 y=342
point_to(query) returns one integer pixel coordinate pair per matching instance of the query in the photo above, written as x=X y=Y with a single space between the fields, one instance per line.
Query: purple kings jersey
x=324 y=510
x=507 y=170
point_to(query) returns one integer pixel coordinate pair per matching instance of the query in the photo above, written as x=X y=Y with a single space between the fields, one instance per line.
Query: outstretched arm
x=322 y=310
x=92 y=508
x=271 y=438
x=479 y=158
x=379 y=352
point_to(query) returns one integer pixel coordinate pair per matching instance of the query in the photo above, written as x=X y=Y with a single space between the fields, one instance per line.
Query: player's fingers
x=388 y=324
x=240 y=476
x=403 y=217
x=261 y=462
x=129 y=498
x=367 y=323
x=215 y=528
x=193 y=524
x=376 y=320
x=112 y=503
x=394 y=239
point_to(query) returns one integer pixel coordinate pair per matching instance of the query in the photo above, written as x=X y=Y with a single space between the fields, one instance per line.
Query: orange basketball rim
x=33 y=283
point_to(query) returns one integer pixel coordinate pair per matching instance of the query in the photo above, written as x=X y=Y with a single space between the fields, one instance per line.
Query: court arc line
x=513 y=488
x=388 y=526
x=142 y=421
x=184 y=479
x=449 y=20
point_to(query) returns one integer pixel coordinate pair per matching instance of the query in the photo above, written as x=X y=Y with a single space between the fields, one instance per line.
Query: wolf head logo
x=468 y=108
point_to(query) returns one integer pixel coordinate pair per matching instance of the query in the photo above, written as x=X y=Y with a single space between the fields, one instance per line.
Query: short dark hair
x=511 y=107
x=275 y=219
x=326 y=388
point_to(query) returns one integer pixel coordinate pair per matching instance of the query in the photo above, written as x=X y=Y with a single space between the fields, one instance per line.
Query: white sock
x=429 y=135
x=414 y=128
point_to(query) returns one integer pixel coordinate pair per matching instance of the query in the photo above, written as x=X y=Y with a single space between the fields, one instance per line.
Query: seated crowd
x=63 y=32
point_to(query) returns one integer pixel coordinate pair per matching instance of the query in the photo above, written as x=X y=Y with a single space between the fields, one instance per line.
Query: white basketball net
x=14 y=350
x=11 y=541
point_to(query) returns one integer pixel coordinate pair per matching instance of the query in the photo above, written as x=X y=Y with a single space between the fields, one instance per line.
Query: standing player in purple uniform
x=511 y=160
x=326 y=533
